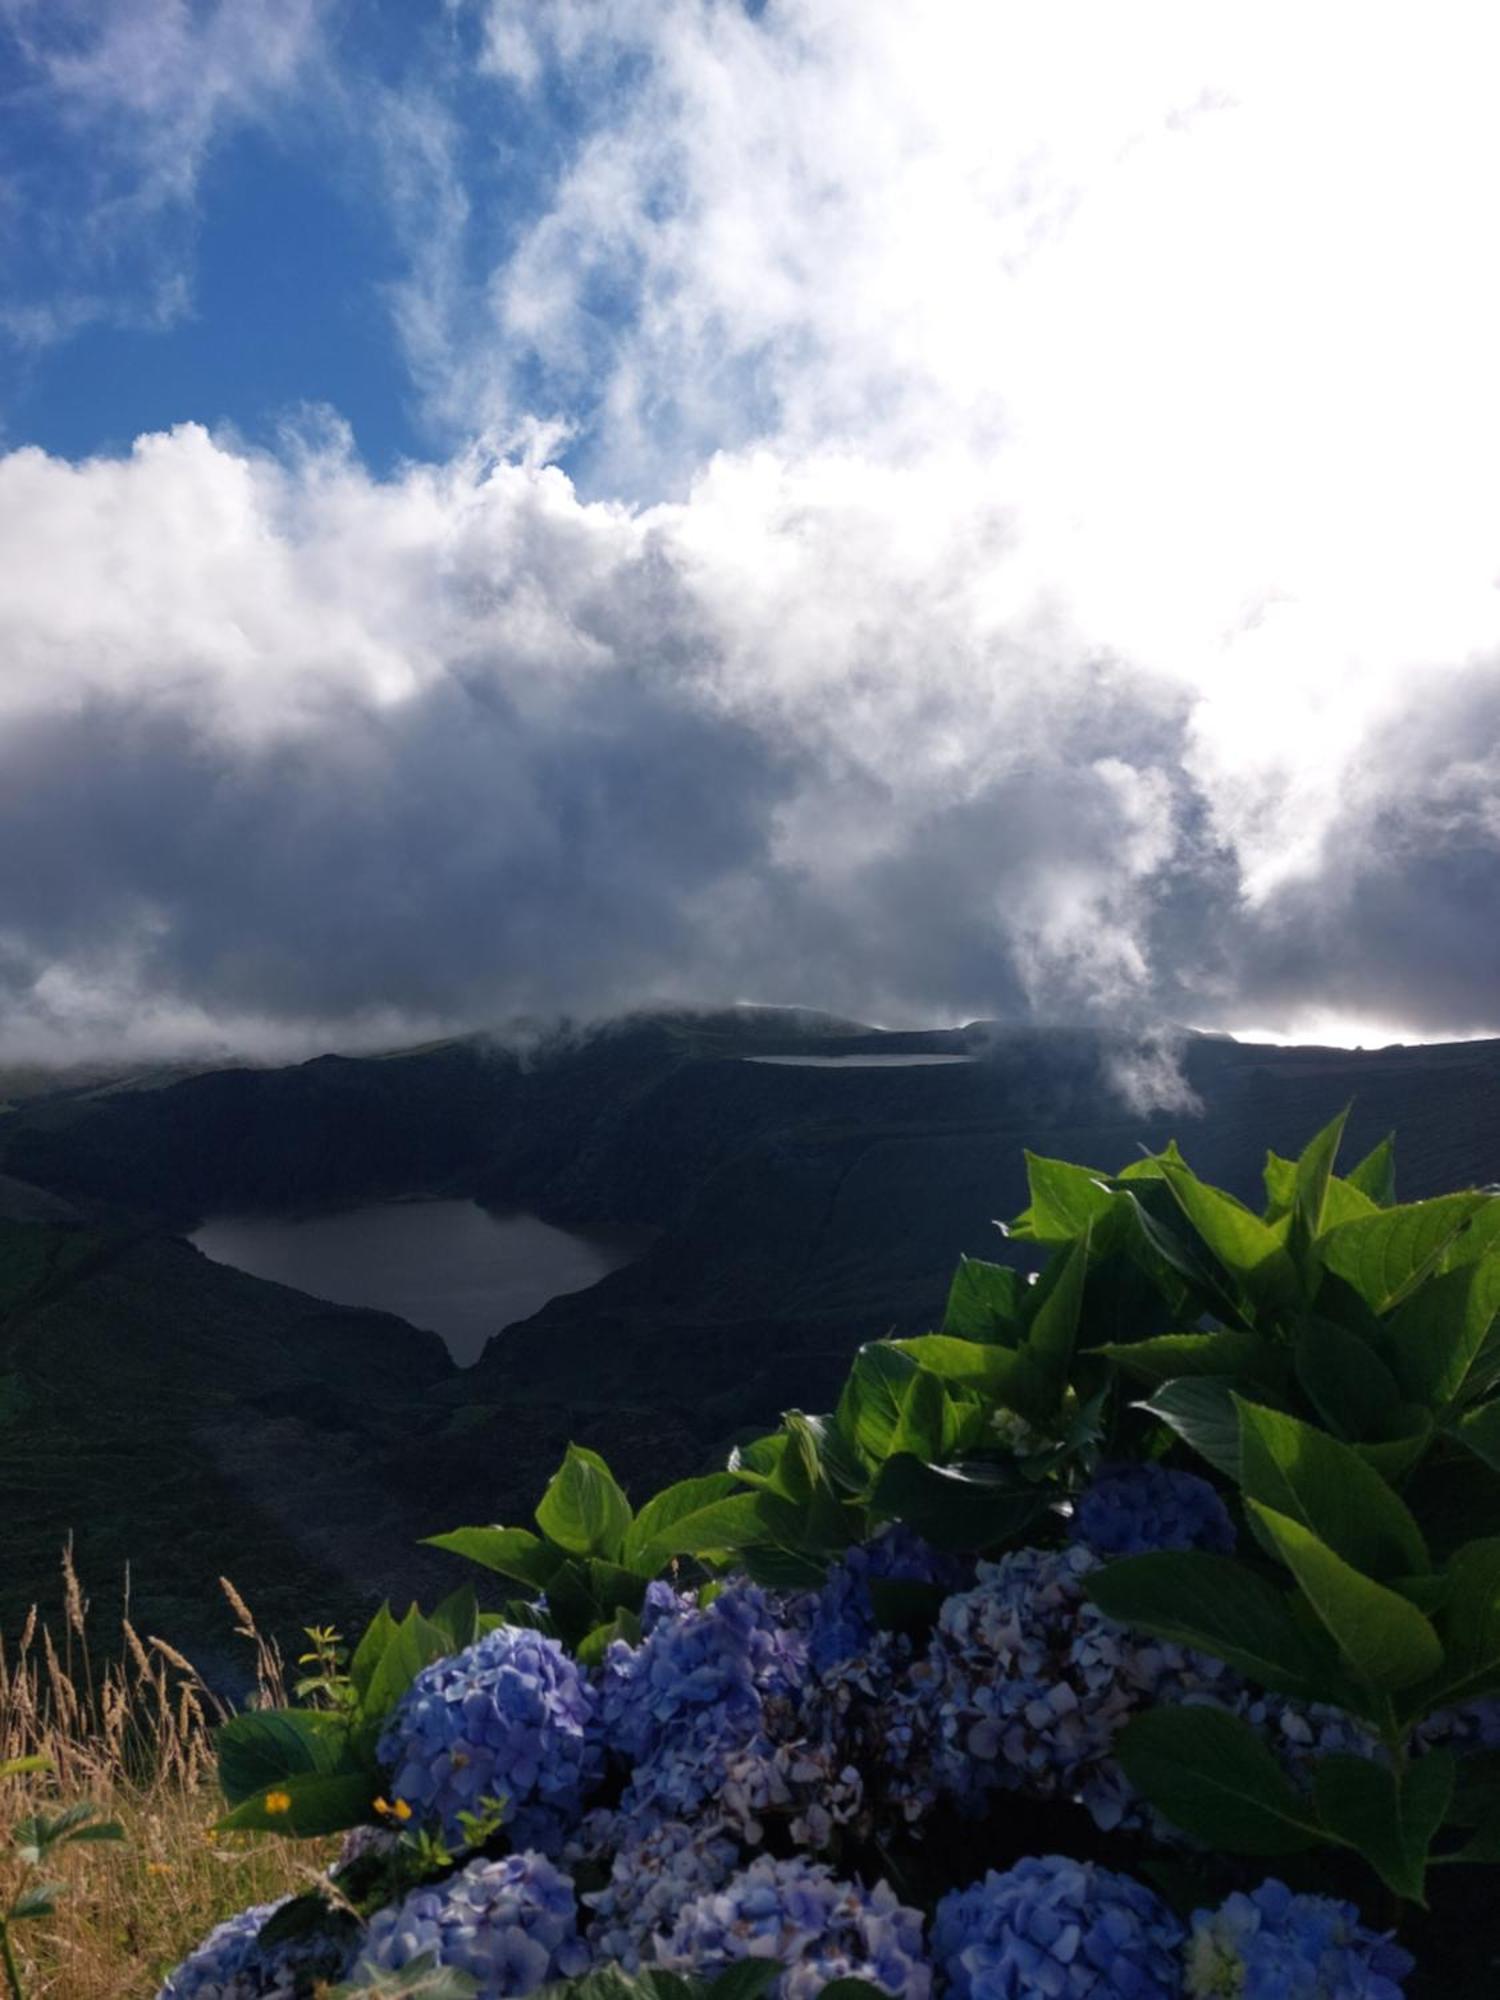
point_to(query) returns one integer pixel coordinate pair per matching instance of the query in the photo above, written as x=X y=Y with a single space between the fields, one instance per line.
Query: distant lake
x=450 y=1266
x=858 y=1062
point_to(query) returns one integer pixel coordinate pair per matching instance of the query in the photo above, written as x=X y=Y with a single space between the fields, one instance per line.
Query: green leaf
x=1221 y=1607
x=38 y=1899
x=1394 y=1457
x=955 y=1507
x=1391 y=1822
x=922 y=1429
x=1211 y=1775
x=1386 y=1256
x=1280 y=1178
x=984 y=1302
x=1065 y=1200
x=583 y=1509
x=1346 y=1381
x=1053 y=1330
x=458 y=1617
x=595 y=1644
x=1302 y=1472
x=1375 y=1175
x=260 y=1746
x=776 y=1568
x=17 y=1767
x=869 y=1410
x=1470 y=1627
x=1253 y=1251
x=512 y=1552
x=315 y=1803
x=1343 y=1202
x=1435 y=1336
x=747 y=1980
x=1385 y=1640
x=1480 y=1431
x=415 y=1643
x=677 y=1512
x=1200 y=1409
x=1167 y=1357
x=371 y=1650
x=1007 y=1375
x=1314 y=1171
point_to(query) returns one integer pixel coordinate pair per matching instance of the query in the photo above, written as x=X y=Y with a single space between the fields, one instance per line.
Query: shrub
x=1195 y=1540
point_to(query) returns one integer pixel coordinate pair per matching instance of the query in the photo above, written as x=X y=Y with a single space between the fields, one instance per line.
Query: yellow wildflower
x=278 y=1802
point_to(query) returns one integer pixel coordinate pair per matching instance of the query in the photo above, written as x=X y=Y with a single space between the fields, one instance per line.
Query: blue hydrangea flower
x=511 y=1925
x=819 y=1928
x=1031 y=1682
x=1133 y=1510
x=699 y=1689
x=1055 y=1929
x=231 y=1964
x=840 y=1617
x=511 y=1717
x=1272 y=1945
x=655 y=1868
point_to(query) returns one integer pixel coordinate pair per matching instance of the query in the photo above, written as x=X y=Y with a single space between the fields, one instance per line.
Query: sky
x=930 y=509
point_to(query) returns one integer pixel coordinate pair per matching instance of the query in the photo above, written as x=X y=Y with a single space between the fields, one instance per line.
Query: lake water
x=858 y=1062
x=451 y=1266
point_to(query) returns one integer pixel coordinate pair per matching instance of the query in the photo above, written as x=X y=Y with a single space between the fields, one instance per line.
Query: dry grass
x=133 y=1735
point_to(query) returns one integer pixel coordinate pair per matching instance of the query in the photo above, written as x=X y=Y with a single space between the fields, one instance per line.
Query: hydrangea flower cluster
x=1060 y=1929
x=1031 y=1683
x=1133 y=1510
x=511 y=1925
x=696 y=1692
x=511 y=1717
x=654 y=1869
x=1272 y=1945
x=841 y=1616
x=819 y=1928
x=232 y=1964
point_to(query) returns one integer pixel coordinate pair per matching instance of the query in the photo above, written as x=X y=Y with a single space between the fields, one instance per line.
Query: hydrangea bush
x=1009 y=1677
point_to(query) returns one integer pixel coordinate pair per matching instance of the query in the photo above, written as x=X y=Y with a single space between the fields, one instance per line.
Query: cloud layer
x=1024 y=541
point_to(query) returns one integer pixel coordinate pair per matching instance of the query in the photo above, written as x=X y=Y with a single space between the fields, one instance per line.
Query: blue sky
x=510 y=507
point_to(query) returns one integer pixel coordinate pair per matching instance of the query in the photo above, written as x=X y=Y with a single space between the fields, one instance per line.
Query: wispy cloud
x=112 y=113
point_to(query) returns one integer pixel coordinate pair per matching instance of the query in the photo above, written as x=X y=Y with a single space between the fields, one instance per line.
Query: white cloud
x=1033 y=541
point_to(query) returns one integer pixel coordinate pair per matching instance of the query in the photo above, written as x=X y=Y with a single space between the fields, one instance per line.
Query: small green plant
x=34 y=1841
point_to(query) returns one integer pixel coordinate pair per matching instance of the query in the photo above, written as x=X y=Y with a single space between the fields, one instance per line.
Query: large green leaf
x=307 y=1804
x=1390 y=1820
x=984 y=1302
x=1053 y=1331
x=1200 y=1409
x=1313 y=1173
x=1386 y=1256
x=1006 y=1374
x=1280 y=1179
x=1470 y=1627
x=1167 y=1357
x=413 y=1644
x=583 y=1509
x=1480 y=1431
x=1065 y=1200
x=703 y=1517
x=1346 y=1381
x=512 y=1552
x=869 y=1410
x=260 y=1746
x=1221 y=1607
x=1212 y=1775
x=1255 y=1252
x=1301 y=1471
x=1433 y=1339
x=1375 y=1175
x=1384 y=1639
x=956 y=1507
